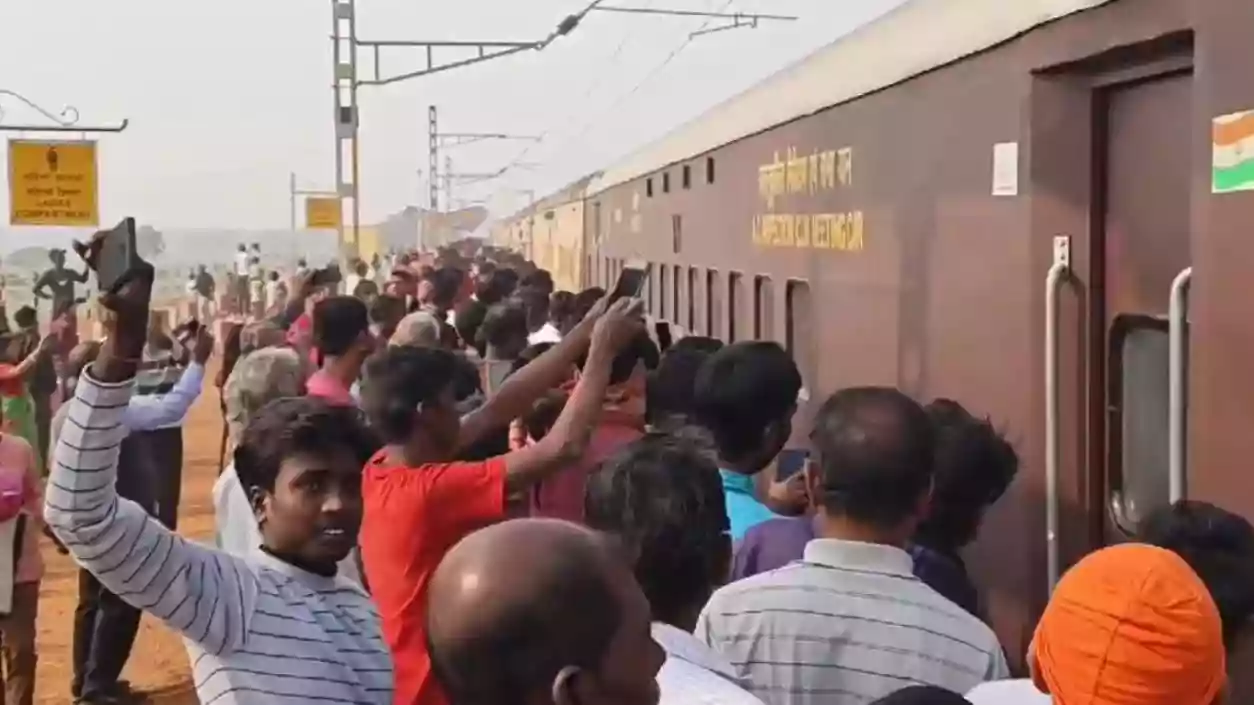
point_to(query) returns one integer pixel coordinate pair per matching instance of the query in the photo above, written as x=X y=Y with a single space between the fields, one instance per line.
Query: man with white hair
x=259 y=378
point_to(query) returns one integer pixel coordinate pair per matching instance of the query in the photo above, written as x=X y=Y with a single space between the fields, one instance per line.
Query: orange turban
x=1130 y=625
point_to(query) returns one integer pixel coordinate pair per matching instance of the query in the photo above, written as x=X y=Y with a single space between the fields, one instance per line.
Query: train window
x=687 y=176
x=763 y=308
x=735 y=302
x=709 y=170
x=666 y=182
x=596 y=221
x=663 y=287
x=691 y=323
x=1139 y=471
x=649 y=300
x=677 y=233
x=713 y=305
x=675 y=288
x=798 y=329
x=648 y=187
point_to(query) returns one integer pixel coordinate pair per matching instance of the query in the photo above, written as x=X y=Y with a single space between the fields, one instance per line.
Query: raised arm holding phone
x=275 y=627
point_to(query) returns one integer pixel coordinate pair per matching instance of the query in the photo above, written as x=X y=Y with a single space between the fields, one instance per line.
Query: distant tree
x=149 y=241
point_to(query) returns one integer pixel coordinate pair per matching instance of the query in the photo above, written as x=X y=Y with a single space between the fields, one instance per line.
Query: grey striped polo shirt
x=847 y=624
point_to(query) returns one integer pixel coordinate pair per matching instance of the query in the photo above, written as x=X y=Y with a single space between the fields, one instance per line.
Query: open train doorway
x=1142 y=258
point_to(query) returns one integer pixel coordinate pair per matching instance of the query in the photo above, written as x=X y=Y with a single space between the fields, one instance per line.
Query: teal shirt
x=744 y=511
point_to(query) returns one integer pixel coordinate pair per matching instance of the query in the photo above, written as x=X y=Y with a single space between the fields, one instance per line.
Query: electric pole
x=348 y=80
x=438 y=142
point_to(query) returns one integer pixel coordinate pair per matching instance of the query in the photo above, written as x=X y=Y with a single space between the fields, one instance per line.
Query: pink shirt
x=561 y=496
x=323 y=385
x=16 y=454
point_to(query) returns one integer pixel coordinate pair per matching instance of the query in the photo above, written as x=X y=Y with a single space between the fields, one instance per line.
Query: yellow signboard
x=53 y=183
x=322 y=213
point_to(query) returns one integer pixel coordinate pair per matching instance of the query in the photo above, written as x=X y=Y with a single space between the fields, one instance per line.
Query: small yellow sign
x=323 y=213
x=53 y=183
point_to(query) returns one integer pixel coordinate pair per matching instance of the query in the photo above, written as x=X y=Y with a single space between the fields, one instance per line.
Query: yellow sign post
x=53 y=183
x=322 y=213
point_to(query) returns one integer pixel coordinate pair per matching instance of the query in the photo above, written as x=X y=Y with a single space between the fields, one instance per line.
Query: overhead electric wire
x=588 y=124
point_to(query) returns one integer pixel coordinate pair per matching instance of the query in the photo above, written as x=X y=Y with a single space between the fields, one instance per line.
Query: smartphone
x=630 y=282
x=118 y=256
x=790 y=462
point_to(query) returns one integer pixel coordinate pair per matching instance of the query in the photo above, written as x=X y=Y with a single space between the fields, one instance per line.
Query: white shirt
x=1020 y=691
x=235 y=525
x=258 y=631
x=241 y=263
x=694 y=674
x=547 y=334
x=350 y=283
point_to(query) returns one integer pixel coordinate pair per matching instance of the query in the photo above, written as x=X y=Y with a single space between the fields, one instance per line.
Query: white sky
x=227 y=97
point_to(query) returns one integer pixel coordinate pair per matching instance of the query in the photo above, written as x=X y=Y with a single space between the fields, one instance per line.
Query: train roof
x=912 y=39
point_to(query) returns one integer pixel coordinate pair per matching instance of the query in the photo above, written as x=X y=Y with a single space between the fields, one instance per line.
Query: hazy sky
x=227 y=97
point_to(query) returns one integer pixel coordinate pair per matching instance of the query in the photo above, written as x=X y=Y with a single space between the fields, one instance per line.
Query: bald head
x=511 y=605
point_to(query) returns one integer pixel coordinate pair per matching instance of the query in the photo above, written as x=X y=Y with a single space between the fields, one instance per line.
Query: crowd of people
x=462 y=486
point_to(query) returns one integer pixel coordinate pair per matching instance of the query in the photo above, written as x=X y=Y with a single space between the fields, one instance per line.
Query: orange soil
x=158 y=664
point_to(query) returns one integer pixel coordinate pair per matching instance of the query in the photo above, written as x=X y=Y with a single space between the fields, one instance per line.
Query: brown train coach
x=1038 y=207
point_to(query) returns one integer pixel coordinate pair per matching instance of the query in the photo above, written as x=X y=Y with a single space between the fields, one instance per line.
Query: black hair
x=466 y=380
x=536 y=303
x=670 y=389
x=294 y=426
x=1219 y=546
x=338 y=323
x=398 y=381
x=922 y=695
x=506 y=281
x=586 y=299
x=539 y=280
x=972 y=468
x=543 y=414
x=446 y=282
x=698 y=343
x=741 y=390
x=641 y=350
x=874 y=448
x=571 y=622
x=468 y=319
x=387 y=309
x=529 y=355
x=663 y=498
x=561 y=307
x=26 y=316
x=504 y=325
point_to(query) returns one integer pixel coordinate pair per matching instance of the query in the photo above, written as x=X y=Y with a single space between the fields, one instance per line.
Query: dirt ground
x=158 y=664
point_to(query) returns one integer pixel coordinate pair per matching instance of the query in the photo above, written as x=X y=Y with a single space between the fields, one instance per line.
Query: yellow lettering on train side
x=827 y=169
x=772 y=181
x=843 y=232
x=844 y=166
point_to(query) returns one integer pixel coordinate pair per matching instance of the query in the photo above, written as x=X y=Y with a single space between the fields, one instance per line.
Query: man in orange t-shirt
x=418 y=503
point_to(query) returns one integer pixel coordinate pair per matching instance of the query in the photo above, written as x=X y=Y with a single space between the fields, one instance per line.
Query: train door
x=1143 y=260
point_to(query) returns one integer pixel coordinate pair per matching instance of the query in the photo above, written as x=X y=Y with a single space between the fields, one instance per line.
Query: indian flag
x=1232 y=152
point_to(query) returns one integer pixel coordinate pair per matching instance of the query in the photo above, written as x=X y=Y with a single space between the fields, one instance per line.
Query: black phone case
x=117 y=257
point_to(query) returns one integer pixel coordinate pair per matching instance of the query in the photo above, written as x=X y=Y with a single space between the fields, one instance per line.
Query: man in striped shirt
x=850 y=622
x=276 y=628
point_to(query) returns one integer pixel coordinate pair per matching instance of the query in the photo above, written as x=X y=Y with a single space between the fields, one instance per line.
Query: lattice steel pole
x=347 y=124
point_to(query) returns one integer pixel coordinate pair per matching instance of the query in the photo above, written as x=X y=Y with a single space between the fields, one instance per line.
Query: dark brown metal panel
x=946 y=298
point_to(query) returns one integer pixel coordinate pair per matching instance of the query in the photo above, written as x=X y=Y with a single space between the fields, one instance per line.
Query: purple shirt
x=778 y=542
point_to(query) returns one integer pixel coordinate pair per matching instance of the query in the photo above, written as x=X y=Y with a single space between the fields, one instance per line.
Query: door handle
x=1177 y=384
x=1059 y=272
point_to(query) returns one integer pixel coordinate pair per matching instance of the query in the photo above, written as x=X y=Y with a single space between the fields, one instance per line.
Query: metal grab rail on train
x=1059 y=272
x=1177 y=384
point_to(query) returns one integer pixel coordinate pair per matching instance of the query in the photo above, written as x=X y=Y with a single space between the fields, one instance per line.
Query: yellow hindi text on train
x=842 y=232
x=807 y=174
